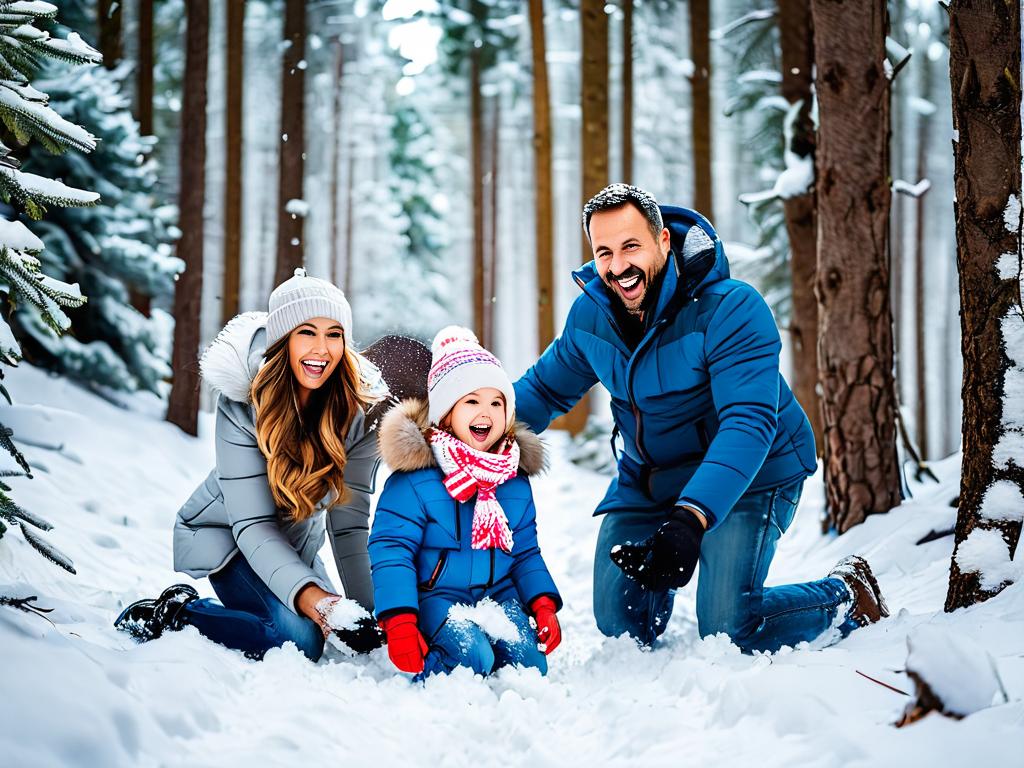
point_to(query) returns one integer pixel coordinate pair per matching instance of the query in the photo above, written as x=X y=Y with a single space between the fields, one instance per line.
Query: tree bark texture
x=233 y=142
x=594 y=140
x=544 y=232
x=984 y=64
x=491 y=273
x=627 y=91
x=801 y=222
x=920 y=294
x=700 y=52
x=339 y=67
x=110 y=27
x=855 y=353
x=183 y=403
x=292 y=141
x=144 y=70
x=476 y=134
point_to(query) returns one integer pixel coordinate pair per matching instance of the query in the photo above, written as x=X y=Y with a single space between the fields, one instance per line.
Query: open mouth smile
x=480 y=432
x=630 y=286
x=314 y=368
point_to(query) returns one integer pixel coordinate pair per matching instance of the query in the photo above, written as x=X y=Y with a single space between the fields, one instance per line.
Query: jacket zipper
x=490 y=578
x=432 y=581
x=630 y=368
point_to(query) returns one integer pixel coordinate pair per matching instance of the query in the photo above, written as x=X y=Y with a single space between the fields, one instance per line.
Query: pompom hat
x=460 y=366
x=301 y=298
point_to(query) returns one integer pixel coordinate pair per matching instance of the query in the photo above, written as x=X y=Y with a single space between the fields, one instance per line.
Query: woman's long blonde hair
x=305 y=450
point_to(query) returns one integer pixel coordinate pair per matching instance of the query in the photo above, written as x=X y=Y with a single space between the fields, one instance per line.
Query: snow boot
x=146 y=620
x=866 y=602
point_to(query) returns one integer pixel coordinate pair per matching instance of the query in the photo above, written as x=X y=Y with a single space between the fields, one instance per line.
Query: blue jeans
x=731 y=596
x=464 y=644
x=249 y=617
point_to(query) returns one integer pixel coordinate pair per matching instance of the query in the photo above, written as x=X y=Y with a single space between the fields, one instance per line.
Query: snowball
x=985 y=552
x=345 y=614
x=487 y=615
x=958 y=672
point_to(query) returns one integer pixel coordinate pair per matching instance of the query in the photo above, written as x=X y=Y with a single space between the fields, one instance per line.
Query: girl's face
x=478 y=419
x=314 y=350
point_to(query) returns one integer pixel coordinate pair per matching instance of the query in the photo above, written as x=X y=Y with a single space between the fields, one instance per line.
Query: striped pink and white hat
x=460 y=365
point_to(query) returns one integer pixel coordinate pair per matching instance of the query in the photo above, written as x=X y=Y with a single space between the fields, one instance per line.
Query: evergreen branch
x=26 y=604
x=27 y=108
x=7 y=444
x=47 y=550
x=33 y=9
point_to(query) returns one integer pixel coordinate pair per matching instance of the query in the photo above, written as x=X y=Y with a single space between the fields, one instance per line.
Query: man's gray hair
x=618 y=195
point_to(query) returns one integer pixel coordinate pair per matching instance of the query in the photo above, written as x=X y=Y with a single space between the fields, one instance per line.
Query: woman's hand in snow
x=307 y=602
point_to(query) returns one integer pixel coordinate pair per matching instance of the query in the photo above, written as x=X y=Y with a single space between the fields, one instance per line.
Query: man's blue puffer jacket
x=704 y=413
x=420 y=554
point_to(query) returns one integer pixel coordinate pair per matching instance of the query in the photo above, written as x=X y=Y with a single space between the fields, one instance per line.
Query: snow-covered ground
x=76 y=692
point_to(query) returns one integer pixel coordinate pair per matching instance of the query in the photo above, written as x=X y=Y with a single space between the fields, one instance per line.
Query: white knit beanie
x=460 y=365
x=301 y=298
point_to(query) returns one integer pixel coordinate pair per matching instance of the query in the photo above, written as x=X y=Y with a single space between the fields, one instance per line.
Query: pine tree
x=115 y=250
x=27 y=117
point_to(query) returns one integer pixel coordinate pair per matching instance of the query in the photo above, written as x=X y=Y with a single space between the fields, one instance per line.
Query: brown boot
x=867 y=605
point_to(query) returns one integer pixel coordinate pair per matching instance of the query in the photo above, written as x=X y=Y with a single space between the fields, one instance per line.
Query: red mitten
x=549 y=633
x=406 y=646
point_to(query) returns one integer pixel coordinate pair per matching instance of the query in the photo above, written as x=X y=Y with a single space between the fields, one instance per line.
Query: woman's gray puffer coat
x=233 y=510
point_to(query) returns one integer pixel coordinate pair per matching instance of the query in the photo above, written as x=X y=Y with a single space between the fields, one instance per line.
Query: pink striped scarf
x=468 y=471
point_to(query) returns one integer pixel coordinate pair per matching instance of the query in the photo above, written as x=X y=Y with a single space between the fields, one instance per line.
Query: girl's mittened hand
x=549 y=632
x=406 y=646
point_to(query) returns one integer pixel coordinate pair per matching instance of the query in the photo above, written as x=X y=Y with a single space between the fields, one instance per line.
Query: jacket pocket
x=435 y=574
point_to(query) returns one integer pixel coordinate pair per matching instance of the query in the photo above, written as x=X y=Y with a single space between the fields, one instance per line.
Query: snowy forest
x=164 y=164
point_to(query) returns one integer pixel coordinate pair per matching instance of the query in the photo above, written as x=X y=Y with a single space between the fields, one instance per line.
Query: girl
x=432 y=546
x=291 y=451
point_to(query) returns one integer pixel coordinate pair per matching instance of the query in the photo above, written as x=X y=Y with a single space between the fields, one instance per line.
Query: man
x=715 y=448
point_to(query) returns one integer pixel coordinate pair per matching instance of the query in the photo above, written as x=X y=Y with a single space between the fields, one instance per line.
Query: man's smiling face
x=627 y=254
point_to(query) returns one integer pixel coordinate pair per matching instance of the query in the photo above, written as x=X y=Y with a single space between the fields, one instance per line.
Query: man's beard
x=634 y=305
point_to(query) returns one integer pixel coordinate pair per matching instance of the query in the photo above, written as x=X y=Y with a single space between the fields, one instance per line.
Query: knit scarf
x=468 y=471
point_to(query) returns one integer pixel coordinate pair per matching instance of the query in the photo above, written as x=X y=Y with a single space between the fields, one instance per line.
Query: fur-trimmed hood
x=234 y=358
x=404 y=446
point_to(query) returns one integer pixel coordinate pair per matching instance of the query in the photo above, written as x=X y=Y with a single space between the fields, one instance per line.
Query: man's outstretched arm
x=556 y=382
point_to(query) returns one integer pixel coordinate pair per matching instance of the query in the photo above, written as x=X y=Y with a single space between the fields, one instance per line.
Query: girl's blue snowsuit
x=422 y=562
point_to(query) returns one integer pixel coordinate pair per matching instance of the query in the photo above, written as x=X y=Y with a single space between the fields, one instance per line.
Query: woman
x=292 y=448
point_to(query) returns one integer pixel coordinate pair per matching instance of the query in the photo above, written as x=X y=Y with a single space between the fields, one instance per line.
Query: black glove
x=667 y=558
x=365 y=637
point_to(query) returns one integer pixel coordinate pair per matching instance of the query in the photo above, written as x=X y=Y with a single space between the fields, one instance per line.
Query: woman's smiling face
x=314 y=350
x=478 y=419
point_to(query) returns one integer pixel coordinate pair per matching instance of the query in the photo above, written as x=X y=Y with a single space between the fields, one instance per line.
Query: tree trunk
x=920 y=376
x=627 y=91
x=491 y=283
x=144 y=70
x=476 y=139
x=339 y=64
x=109 y=18
x=233 y=71
x=543 y=210
x=183 y=403
x=350 y=224
x=855 y=354
x=292 y=141
x=594 y=141
x=984 y=72
x=700 y=52
x=801 y=223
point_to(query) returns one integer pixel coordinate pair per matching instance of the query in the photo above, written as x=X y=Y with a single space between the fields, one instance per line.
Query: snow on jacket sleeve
x=251 y=510
x=556 y=382
x=348 y=523
x=395 y=539
x=529 y=572
x=741 y=348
